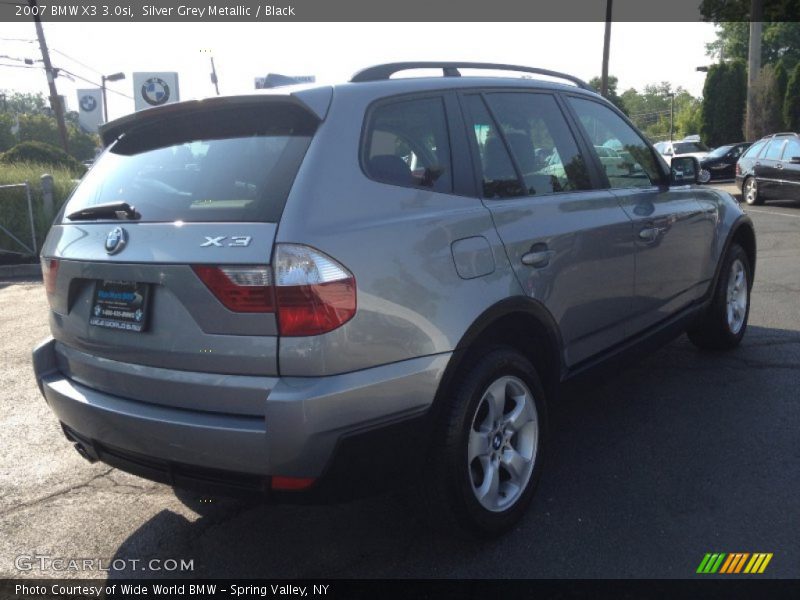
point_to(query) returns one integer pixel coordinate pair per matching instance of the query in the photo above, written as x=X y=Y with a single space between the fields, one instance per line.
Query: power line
x=75 y=60
x=20 y=66
x=93 y=82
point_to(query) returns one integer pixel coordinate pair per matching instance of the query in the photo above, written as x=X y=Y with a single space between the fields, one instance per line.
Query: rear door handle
x=779 y=166
x=537 y=258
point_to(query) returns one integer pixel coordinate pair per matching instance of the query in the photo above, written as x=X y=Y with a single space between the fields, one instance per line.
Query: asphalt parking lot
x=679 y=454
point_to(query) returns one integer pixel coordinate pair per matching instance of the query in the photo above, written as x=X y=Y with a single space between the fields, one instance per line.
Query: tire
x=750 y=192
x=723 y=326
x=488 y=447
x=704 y=176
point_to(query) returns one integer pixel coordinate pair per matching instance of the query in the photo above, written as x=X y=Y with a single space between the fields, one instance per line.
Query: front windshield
x=689 y=147
x=719 y=152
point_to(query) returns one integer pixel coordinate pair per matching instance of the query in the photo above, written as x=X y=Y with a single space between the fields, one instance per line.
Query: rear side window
x=407 y=144
x=500 y=179
x=222 y=165
x=534 y=132
x=636 y=164
x=774 y=150
x=792 y=149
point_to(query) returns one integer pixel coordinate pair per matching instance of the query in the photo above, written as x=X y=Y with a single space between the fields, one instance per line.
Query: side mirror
x=795 y=160
x=684 y=170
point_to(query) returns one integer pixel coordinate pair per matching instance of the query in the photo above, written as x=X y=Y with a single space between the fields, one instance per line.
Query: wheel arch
x=520 y=322
x=743 y=233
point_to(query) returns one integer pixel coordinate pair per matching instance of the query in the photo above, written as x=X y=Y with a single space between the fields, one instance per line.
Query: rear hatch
x=159 y=259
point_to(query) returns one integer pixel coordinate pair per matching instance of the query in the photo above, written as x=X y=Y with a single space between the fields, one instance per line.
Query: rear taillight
x=49 y=274
x=315 y=294
x=291 y=484
x=310 y=292
x=241 y=289
x=738 y=169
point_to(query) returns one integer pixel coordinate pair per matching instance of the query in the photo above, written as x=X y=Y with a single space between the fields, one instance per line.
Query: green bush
x=14 y=206
x=43 y=154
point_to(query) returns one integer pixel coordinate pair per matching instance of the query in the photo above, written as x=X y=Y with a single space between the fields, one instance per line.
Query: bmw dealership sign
x=155 y=89
x=90 y=109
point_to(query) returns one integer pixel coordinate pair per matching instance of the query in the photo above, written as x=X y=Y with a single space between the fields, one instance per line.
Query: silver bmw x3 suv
x=310 y=292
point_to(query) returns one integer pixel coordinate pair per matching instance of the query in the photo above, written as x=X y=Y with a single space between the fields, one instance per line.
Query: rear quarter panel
x=397 y=242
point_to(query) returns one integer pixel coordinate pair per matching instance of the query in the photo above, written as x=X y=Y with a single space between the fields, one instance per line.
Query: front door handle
x=537 y=258
x=649 y=234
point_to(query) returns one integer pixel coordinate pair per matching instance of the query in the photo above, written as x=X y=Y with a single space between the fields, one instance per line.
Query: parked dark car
x=721 y=162
x=770 y=169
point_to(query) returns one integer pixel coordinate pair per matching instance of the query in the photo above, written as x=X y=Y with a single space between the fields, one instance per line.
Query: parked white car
x=681 y=148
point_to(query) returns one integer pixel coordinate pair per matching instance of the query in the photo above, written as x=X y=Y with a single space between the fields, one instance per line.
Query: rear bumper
x=306 y=422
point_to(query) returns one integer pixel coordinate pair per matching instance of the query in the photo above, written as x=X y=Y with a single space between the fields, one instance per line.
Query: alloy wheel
x=503 y=443
x=737 y=297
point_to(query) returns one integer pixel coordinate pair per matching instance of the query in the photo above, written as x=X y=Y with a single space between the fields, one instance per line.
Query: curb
x=30 y=271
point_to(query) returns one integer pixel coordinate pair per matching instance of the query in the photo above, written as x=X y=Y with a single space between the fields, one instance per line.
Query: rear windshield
x=222 y=165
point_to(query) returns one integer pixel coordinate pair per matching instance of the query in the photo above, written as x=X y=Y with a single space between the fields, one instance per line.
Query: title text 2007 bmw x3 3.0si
x=306 y=292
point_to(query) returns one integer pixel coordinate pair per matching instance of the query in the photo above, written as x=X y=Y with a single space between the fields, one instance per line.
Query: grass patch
x=14 y=206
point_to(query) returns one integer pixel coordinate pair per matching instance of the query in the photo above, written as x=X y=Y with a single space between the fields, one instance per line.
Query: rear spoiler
x=314 y=100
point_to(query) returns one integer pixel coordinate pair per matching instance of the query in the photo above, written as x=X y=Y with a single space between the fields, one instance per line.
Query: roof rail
x=451 y=69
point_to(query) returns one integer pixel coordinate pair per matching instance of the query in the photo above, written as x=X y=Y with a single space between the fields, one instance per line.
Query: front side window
x=407 y=144
x=637 y=165
x=753 y=150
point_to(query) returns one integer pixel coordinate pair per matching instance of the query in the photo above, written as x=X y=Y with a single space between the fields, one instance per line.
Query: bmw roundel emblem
x=116 y=240
x=155 y=91
x=88 y=103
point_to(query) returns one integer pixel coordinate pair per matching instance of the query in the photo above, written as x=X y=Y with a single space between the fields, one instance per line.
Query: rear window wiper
x=109 y=210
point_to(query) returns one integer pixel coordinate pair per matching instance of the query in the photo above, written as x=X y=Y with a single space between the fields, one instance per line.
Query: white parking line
x=770 y=212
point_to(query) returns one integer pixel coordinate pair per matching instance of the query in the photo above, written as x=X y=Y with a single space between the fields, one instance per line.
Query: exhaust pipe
x=84 y=452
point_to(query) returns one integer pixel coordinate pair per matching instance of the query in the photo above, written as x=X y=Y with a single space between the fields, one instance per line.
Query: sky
x=641 y=53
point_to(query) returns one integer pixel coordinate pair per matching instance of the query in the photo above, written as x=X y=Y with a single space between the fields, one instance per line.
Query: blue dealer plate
x=120 y=305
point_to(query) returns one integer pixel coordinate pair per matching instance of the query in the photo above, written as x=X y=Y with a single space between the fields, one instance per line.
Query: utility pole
x=671 y=115
x=753 y=64
x=55 y=101
x=606 y=48
x=214 y=79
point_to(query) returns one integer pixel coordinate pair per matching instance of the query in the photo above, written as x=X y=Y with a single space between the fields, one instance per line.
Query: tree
x=687 y=120
x=724 y=96
x=650 y=109
x=791 y=102
x=780 y=34
x=781 y=82
x=612 y=91
x=24 y=104
x=43 y=128
x=766 y=110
